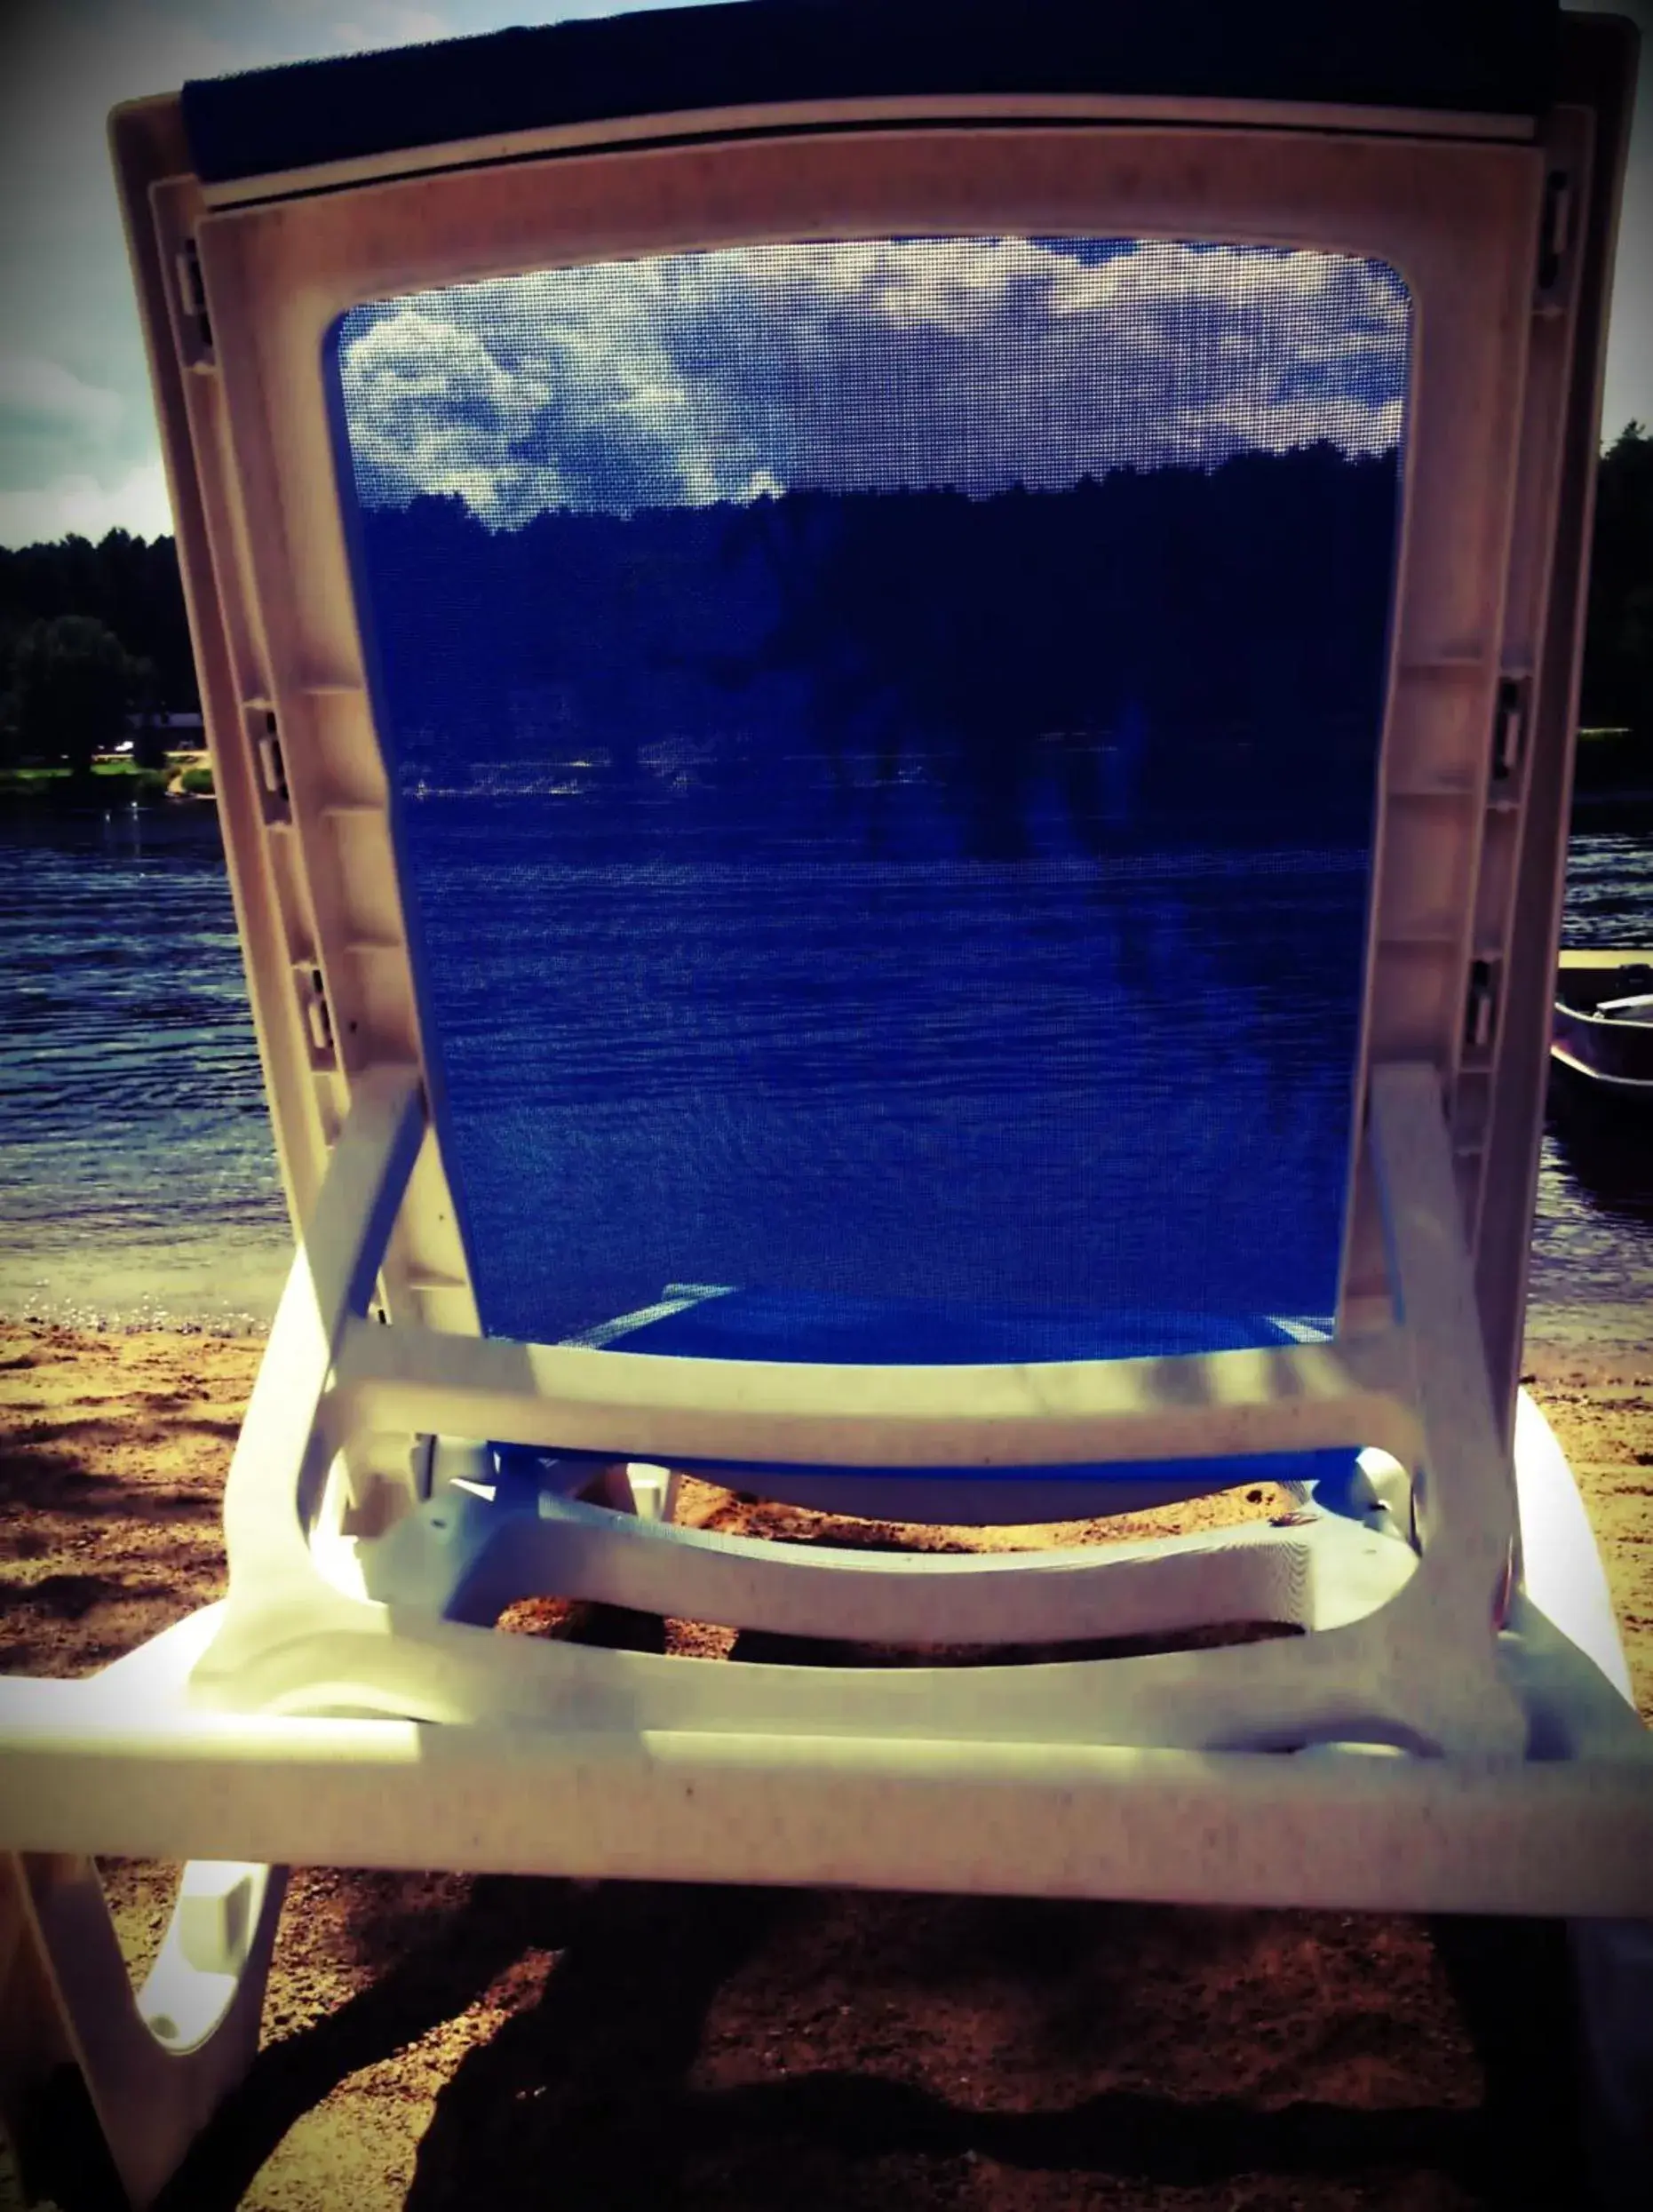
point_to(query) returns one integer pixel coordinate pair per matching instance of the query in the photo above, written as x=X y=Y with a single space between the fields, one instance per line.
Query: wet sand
x=443 y=2042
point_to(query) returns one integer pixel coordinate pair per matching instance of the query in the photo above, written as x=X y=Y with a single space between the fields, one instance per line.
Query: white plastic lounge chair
x=601 y=1164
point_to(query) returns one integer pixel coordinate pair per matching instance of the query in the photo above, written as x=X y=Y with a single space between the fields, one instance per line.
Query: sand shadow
x=594 y=2087
x=822 y=2141
x=589 y=2093
x=604 y=2090
x=588 y=2085
x=434 y=1981
x=1511 y=1981
x=45 y=1472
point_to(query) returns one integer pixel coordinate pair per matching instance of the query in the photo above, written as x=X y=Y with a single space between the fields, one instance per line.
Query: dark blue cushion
x=1492 y=56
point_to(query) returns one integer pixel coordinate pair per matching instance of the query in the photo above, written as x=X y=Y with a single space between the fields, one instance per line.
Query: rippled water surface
x=135 y=1156
x=135 y=1152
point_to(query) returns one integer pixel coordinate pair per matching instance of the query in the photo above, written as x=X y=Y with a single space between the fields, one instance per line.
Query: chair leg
x=1561 y=2017
x=156 y=2063
x=1511 y=1980
x=1612 y=1964
x=638 y=1486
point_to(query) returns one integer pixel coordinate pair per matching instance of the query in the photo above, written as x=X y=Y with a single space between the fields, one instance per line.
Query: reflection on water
x=1594 y=1248
x=135 y=1156
x=1032 y=1084
x=1610 y=889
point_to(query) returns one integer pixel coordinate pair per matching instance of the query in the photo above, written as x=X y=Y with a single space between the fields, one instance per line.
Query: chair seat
x=707 y=1321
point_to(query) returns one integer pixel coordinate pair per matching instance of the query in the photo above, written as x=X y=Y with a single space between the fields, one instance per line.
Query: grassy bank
x=1613 y=766
x=1613 y=776
x=116 y=781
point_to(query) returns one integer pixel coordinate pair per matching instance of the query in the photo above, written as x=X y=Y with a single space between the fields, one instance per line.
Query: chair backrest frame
x=1498 y=226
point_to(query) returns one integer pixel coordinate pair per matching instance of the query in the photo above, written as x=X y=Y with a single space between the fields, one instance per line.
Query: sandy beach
x=435 y=2041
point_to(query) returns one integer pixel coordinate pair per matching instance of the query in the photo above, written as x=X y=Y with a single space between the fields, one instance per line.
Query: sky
x=78 y=448
x=972 y=363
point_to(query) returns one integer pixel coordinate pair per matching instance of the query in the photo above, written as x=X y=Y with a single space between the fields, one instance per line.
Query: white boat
x=1601 y=1034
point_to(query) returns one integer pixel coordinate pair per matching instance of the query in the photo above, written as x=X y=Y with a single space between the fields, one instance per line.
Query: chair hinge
x=272 y=766
x=318 y=1017
x=193 y=320
x=1509 y=729
x=1481 y=1007
x=1556 y=225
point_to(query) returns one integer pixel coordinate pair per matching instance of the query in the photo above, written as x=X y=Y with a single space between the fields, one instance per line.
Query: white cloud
x=82 y=506
x=972 y=363
x=376 y=27
x=38 y=393
x=435 y=411
x=65 y=290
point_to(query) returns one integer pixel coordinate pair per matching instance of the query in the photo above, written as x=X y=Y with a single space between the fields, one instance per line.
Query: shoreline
x=1621 y=807
x=1609 y=1346
x=1603 y=1341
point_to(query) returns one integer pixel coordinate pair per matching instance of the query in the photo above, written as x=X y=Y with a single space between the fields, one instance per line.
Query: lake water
x=136 y=1169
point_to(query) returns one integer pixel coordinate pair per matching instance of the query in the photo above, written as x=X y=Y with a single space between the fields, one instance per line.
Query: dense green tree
x=129 y=584
x=1619 y=651
x=71 y=683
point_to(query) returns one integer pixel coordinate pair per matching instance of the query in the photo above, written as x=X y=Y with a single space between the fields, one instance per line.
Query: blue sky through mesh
x=972 y=363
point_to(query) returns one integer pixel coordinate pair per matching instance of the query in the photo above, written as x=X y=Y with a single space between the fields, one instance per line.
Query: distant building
x=182 y=729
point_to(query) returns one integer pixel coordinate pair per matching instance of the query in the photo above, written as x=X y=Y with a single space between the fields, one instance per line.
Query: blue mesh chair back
x=886 y=735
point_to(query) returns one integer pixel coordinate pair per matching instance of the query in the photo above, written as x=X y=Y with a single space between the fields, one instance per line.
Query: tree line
x=1618 y=640
x=93 y=634
x=1179 y=649
x=92 y=639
